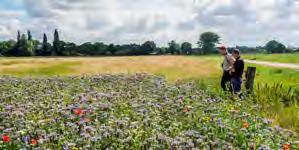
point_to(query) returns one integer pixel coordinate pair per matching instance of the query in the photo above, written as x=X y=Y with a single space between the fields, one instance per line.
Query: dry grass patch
x=172 y=67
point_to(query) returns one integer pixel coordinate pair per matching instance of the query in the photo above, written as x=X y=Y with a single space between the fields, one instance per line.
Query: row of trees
x=27 y=46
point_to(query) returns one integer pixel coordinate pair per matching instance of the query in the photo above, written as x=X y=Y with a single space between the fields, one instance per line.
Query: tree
x=161 y=50
x=44 y=49
x=69 y=49
x=111 y=49
x=29 y=35
x=207 y=42
x=128 y=49
x=6 y=47
x=36 y=45
x=275 y=47
x=186 y=48
x=133 y=49
x=147 y=48
x=18 y=37
x=100 y=48
x=26 y=48
x=174 y=48
x=86 y=49
x=14 y=50
x=56 y=44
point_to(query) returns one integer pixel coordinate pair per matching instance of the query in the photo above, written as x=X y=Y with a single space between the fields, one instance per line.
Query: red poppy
x=245 y=125
x=286 y=146
x=5 y=138
x=78 y=111
x=34 y=142
x=186 y=109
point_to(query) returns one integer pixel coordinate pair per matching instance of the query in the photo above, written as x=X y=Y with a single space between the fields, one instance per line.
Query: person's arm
x=231 y=62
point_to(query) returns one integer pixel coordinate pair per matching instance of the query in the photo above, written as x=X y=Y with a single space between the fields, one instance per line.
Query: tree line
x=25 y=45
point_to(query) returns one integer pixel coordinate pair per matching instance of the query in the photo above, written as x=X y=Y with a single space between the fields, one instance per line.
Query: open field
x=283 y=58
x=172 y=67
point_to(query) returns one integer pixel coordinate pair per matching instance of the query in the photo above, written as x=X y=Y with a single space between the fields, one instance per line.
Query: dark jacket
x=239 y=68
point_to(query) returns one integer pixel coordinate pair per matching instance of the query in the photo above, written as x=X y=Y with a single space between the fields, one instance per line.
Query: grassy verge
x=284 y=58
x=268 y=75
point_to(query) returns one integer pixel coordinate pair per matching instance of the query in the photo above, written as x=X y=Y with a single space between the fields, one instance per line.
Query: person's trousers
x=236 y=82
x=226 y=81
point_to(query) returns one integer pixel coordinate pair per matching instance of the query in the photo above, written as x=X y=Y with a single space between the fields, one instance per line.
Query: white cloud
x=249 y=22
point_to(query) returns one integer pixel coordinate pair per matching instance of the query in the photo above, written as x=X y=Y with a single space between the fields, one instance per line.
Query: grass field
x=284 y=58
x=204 y=69
x=172 y=67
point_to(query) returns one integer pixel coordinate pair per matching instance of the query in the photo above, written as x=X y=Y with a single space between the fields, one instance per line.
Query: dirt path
x=274 y=64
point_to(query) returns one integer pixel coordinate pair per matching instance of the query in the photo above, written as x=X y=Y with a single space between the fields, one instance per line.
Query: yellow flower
x=23 y=132
x=75 y=148
x=206 y=119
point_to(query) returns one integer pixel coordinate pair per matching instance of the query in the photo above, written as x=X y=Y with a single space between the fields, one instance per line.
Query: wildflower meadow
x=137 y=111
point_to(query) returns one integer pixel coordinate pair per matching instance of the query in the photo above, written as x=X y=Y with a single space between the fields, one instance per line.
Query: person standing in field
x=237 y=73
x=227 y=66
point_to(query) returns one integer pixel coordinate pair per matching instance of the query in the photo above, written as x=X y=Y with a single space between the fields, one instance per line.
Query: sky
x=238 y=22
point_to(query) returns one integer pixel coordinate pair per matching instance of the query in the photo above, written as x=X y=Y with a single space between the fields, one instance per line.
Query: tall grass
x=277 y=101
x=64 y=68
x=280 y=103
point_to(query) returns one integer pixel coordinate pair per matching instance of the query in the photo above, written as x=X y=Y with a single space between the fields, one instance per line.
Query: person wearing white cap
x=227 y=66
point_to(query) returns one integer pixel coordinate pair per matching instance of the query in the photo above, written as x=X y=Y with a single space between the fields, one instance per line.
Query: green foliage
x=148 y=47
x=45 y=48
x=29 y=35
x=69 y=49
x=207 y=42
x=111 y=49
x=25 y=48
x=275 y=47
x=56 y=44
x=161 y=50
x=6 y=47
x=19 y=37
x=174 y=48
x=91 y=49
x=276 y=99
x=186 y=48
x=272 y=94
